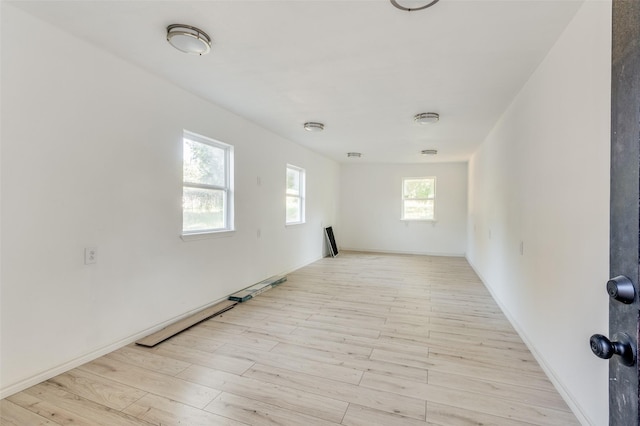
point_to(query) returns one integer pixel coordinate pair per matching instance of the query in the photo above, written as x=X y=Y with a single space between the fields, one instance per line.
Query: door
x=621 y=347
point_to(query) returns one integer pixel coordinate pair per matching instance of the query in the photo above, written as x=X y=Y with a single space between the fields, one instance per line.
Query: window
x=295 y=195
x=207 y=192
x=418 y=198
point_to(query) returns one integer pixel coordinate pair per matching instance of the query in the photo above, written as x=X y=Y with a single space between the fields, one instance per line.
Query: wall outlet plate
x=90 y=255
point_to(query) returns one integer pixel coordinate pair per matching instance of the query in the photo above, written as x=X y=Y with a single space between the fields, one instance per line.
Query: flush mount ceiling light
x=429 y=152
x=312 y=126
x=188 y=39
x=412 y=5
x=426 y=118
x=354 y=154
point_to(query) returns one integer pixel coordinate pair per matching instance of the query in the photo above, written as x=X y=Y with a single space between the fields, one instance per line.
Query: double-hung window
x=419 y=198
x=295 y=195
x=207 y=191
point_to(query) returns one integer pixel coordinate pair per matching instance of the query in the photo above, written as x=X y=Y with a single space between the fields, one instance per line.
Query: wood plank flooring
x=361 y=339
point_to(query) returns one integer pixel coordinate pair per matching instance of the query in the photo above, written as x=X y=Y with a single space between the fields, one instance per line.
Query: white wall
x=370 y=208
x=541 y=177
x=91 y=156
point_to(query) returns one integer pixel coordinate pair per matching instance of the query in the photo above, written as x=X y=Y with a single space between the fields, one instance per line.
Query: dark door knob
x=605 y=348
x=621 y=289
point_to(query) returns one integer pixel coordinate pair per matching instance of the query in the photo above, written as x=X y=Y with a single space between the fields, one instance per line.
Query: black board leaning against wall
x=331 y=239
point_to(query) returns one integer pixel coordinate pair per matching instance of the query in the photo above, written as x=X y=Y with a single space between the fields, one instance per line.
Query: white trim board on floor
x=97 y=353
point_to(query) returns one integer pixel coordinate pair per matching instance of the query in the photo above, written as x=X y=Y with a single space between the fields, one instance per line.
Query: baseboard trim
x=564 y=393
x=417 y=253
x=94 y=354
x=97 y=353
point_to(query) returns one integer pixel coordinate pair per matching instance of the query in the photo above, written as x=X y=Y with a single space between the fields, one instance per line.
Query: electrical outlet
x=90 y=255
x=521 y=248
x=259 y=233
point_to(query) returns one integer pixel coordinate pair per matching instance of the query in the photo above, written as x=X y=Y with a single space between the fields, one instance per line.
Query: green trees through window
x=295 y=195
x=418 y=198
x=207 y=184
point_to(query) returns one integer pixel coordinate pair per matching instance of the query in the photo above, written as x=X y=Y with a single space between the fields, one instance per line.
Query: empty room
x=415 y=201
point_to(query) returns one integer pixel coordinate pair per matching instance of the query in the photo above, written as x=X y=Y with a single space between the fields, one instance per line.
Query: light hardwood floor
x=361 y=340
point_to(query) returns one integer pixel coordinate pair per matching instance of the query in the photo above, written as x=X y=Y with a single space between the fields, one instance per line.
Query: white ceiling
x=362 y=67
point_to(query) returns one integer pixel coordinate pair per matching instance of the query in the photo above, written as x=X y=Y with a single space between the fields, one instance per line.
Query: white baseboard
x=566 y=395
x=295 y=268
x=97 y=353
x=417 y=253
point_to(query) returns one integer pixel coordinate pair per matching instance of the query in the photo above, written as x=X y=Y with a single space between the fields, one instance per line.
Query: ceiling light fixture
x=426 y=118
x=407 y=8
x=354 y=154
x=429 y=152
x=188 y=39
x=312 y=126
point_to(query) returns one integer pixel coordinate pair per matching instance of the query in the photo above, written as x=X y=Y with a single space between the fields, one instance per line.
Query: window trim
x=403 y=199
x=228 y=213
x=301 y=194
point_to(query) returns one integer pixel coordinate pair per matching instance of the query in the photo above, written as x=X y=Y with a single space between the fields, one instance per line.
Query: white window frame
x=301 y=195
x=406 y=198
x=227 y=188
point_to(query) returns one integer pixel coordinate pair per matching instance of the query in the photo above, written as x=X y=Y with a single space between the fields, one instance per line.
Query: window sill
x=294 y=224
x=195 y=236
x=419 y=220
